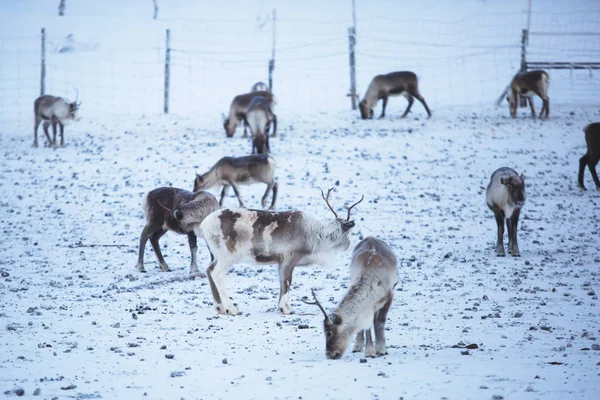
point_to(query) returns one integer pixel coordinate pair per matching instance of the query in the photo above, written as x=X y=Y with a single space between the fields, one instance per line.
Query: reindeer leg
x=263 y=201
x=245 y=124
x=411 y=100
x=275 y=188
x=379 y=324
x=192 y=240
x=274 y=134
x=225 y=306
x=592 y=167
x=547 y=104
x=509 y=228
x=154 y=242
x=286 y=268
x=62 y=134
x=237 y=192
x=213 y=288
x=359 y=342
x=384 y=99
x=369 y=348
x=499 y=214
x=422 y=100
x=514 y=222
x=45 y=126
x=582 y=163
x=54 y=131
x=36 y=125
x=147 y=232
x=223 y=194
x=530 y=100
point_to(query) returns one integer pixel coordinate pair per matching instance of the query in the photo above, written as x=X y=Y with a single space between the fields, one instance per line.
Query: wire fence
x=463 y=62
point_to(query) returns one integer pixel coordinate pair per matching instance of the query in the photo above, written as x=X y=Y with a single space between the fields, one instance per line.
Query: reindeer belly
x=526 y=92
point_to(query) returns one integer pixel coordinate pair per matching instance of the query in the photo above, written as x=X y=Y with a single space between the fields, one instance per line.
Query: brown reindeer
x=259 y=118
x=177 y=210
x=527 y=84
x=591 y=157
x=239 y=107
x=56 y=111
x=403 y=83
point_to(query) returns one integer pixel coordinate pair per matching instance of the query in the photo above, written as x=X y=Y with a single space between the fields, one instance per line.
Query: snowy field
x=78 y=321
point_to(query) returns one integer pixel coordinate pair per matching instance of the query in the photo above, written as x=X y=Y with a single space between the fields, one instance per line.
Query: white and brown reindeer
x=239 y=107
x=234 y=171
x=527 y=84
x=177 y=210
x=259 y=87
x=259 y=118
x=403 y=83
x=591 y=157
x=56 y=111
x=505 y=196
x=288 y=238
x=373 y=276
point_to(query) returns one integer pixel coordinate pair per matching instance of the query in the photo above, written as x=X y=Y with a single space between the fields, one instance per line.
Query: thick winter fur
x=287 y=238
x=239 y=107
x=527 y=84
x=259 y=87
x=177 y=210
x=56 y=111
x=505 y=196
x=259 y=118
x=403 y=83
x=373 y=276
x=234 y=171
x=592 y=138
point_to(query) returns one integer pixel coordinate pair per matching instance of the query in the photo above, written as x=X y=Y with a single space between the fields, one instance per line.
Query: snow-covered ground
x=78 y=321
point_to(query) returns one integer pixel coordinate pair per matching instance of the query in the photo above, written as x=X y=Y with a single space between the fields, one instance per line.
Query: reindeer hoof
x=370 y=352
x=140 y=267
x=357 y=348
x=197 y=274
x=500 y=253
x=381 y=352
x=165 y=267
x=35 y=145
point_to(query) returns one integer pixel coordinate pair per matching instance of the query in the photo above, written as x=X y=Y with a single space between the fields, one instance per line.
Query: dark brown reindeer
x=505 y=196
x=288 y=238
x=527 y=84
x=373 y=276
x=234 y=171
x=177 y=210
x=239 y=107
x=403 y=83
x=591 y=157
x=56 y=111
x=259 y=118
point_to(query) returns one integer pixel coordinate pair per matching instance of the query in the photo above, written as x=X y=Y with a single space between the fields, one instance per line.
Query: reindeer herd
x=291 y=238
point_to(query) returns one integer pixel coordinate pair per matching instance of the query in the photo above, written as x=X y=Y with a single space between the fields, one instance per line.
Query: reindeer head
x=259 y=142
x=199 y=183
x=74 y=107
x=512 y=100
x=346 y=224
x=515 y=186
x=366 y=112
x=337 y=335
x=229 y=127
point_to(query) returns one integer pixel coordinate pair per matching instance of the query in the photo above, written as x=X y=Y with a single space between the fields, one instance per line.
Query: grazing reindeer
x=259 y=87
x=403 y=83
x=592 y=138
x=231 y=171
x=259 y=118
x=56 y=111
x=505 y=196
x=239 y=107
x=287 y=238
x=373 y=276
x=178 y=210
x=527 y=84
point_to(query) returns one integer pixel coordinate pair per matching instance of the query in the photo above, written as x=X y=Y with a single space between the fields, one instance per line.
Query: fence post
x=524 y=39
x=351 y=46
x=43 y=64
x=272 y=60
x=167 y=70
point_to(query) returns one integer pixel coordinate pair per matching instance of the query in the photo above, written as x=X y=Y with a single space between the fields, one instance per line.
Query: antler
x=316 y=302
x=163 y=206
x=327 y=201
x=353 y=205
x=76 y=95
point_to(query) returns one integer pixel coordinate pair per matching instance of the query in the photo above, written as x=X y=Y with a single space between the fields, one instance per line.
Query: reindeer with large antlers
x=373 y=276
x=288 y=238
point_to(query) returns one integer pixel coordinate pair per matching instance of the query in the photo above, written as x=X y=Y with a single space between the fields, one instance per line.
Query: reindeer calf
x=403 y=83
x=527 y=84
x=239 y=107
x=287 y=238
x=505 y=196
x=56 y=111
x=373 y=276
x=592 y=139
x=259 y=118
x=230 y=171
x=178 y=210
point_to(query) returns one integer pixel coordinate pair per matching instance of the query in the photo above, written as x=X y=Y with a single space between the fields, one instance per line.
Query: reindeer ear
x=522 y=177
x=335 y=319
